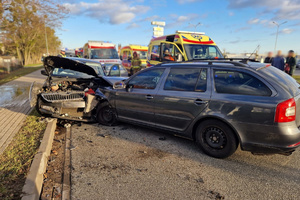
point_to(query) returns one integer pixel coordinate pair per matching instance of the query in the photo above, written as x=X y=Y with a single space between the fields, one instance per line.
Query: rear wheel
x=106 y=115
x=216 y=139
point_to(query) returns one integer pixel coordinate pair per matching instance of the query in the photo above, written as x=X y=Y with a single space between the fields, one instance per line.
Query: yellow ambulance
x=182 y=46
x=126 y=54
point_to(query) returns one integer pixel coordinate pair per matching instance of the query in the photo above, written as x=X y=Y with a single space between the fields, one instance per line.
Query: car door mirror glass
x=119 y=85
x=43 y=72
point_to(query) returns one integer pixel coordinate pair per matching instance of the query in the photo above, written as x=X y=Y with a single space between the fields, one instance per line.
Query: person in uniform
x=135 y=63
x=62 y=54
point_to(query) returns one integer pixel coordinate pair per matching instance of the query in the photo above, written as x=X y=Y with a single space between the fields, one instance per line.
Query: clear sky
x=235 y=25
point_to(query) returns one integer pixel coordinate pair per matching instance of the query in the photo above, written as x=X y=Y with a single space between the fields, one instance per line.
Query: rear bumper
x=265 y=149
x=271 y=139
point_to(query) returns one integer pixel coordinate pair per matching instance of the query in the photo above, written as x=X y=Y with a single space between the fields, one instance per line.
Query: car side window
x=170 y=53
x=155 y=53
x=234 y=82
x=186 y=80
x=146 y=79
x=114 y=70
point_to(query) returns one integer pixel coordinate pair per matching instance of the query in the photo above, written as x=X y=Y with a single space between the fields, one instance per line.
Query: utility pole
x=46 y=36
x=278 y=25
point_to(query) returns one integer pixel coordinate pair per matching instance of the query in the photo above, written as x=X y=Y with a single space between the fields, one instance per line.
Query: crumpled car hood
x=52 y=62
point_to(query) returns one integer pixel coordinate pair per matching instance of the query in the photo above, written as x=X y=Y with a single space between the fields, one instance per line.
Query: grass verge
x=16 y=159
x=297 y=78
x=19 y=72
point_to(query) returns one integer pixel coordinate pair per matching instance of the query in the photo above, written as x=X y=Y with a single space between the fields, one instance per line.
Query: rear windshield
x=283 y=79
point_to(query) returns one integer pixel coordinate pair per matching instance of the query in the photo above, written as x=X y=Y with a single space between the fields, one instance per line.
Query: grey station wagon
x=218 y=104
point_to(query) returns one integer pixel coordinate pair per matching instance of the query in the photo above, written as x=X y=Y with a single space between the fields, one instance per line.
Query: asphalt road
x=127 y=162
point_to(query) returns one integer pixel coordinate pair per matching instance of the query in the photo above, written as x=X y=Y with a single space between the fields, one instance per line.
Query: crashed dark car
x=72 y=91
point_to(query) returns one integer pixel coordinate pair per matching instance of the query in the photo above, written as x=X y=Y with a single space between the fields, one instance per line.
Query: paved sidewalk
x=14 y=105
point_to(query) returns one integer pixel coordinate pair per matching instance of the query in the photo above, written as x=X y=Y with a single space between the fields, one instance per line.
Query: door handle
x=199 y=102
x=148 y=97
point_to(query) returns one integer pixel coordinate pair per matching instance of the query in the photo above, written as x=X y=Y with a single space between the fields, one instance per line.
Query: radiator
x=62 y=96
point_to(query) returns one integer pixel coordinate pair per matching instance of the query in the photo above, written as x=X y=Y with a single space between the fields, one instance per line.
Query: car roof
x=84 y=60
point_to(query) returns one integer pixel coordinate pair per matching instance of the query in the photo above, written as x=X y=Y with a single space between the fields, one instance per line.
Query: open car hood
x=52 y=62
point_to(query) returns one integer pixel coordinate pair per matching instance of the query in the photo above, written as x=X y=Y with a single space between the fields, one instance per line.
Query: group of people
x=288 y=65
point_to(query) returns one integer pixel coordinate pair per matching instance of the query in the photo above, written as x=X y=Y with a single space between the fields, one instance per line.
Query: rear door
x=183 y=95
x=246 y=101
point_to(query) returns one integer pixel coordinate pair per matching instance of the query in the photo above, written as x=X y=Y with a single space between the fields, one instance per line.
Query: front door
x=182 y=97
x=136 y=102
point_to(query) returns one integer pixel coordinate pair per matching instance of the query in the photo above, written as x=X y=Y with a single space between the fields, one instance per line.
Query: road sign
x=158 y=31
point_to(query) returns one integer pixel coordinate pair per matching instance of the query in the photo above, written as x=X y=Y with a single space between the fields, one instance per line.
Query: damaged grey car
x=72 y=91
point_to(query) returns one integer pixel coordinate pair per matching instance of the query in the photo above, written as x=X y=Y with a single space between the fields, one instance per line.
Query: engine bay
x=73 y=99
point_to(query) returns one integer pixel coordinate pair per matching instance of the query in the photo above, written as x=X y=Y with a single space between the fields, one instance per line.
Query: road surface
x=127 y=162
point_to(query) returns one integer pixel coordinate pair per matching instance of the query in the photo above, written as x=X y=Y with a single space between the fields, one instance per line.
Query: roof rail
x=211 y=62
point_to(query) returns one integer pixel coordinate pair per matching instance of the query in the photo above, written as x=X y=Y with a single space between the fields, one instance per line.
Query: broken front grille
x=62 y=96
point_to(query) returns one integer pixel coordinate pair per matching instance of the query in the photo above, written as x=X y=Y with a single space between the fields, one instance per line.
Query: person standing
x=269 y=58
x=135 y=63
x=278 y=61
x=62 y=54
x=290 y=64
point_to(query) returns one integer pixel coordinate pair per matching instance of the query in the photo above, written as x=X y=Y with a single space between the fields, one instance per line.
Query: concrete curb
x=34 y=181
x=66 y=191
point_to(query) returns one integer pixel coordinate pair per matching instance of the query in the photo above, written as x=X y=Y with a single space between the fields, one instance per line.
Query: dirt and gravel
x=52 y=186
x=128 y=162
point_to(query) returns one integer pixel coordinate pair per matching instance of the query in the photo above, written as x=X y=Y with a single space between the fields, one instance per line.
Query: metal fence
x=9 y=64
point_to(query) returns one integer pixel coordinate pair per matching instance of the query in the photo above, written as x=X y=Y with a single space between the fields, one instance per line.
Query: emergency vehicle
x=182 y=46
x=104 y=52
x=126 y=54
x=79 y=52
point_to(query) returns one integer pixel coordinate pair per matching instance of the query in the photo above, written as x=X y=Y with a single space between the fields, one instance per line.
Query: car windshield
x=282 y=78
x=109 y=53
x=142 y=54
x=198 y=51
x=69 y=73
x=97 y=67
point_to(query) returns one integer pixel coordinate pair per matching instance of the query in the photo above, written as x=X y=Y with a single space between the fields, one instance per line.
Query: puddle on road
x=9 y=92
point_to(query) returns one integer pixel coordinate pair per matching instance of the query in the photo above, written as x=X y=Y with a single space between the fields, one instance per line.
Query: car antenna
x=258 y=46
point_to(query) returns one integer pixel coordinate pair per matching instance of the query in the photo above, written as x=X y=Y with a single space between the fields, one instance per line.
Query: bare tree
x=23 y=23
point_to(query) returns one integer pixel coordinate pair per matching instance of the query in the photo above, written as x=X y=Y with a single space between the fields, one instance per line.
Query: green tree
x=23 y=23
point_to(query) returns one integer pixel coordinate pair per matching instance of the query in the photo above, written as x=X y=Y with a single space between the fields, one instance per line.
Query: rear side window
x=233 y=82
x=186 y=80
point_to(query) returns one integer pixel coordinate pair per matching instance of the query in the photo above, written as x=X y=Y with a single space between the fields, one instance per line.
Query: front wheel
x=216 y=139
x=106 y=115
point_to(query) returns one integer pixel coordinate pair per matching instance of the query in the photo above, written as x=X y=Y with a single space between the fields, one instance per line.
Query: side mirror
x=43 y=72
x=119 y=85
x=129 y=87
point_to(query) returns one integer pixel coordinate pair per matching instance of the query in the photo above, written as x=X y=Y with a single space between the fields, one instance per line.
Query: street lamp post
x=195 y=25
x=46 y=38
x=278 y=25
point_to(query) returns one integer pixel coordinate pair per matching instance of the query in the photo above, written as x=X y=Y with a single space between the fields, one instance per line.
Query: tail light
x=286 y=111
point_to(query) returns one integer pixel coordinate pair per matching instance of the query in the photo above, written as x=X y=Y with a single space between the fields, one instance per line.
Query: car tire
x=106 y=115
x=216 y=139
